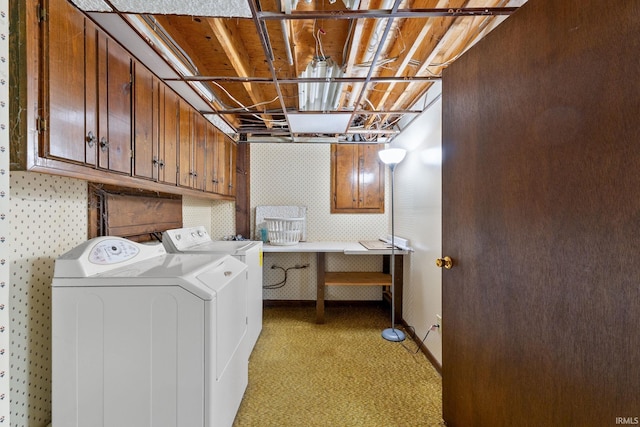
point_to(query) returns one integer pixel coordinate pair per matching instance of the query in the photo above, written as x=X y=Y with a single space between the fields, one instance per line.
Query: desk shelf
x=357 y=278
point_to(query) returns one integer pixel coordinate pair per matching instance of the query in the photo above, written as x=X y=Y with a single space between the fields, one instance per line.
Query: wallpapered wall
x=48 y=217
x=300 y=175
x=5 y=322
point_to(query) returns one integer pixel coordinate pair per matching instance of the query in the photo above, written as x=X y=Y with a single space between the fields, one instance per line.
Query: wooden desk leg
x=320 y=268
x=398 y=285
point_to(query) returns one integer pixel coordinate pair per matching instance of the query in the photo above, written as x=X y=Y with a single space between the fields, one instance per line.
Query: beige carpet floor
x=341 y=373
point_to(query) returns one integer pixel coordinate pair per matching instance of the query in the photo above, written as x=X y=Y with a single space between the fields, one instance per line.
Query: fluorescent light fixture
x=392 y=156
x=220 y=124
x=317 y=96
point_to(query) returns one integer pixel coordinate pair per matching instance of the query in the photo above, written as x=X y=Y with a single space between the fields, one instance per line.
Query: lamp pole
x=392 y=157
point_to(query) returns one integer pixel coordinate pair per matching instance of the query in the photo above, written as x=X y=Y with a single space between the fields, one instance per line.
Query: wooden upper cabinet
x=222 y=169
x=114 y=106
x=88 y=87
x=69 y=65
x=192 y=147
x=167 y=165
x=102 y=116
x=199 y=144
x=211 y=161
x=146 y=115
x=184 y=147
x=357 y=179
x=231 y=168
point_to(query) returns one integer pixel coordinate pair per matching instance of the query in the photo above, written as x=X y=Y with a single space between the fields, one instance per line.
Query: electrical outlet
x=439 y=322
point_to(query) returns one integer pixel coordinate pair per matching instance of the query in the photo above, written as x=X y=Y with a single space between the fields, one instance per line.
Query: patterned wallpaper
x=218 y=217
x=5 y=228
x=300 y=175
x=48 y=217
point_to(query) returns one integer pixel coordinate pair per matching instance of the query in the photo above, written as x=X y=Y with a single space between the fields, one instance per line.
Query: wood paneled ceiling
x=266 y=74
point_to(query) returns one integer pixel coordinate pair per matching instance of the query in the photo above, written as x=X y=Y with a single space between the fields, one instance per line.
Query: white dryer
x=196 y=240
x=142 y=338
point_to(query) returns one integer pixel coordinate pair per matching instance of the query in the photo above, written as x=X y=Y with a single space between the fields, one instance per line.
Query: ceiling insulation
x=218 y=8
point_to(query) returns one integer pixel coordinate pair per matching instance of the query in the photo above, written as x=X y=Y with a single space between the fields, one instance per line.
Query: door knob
x=445 y=262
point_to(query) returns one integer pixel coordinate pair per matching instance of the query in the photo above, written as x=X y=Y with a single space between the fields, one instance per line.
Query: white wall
x=418 y=216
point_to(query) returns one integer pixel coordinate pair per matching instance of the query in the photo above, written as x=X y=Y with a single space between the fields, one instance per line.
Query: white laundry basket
x=284 y=231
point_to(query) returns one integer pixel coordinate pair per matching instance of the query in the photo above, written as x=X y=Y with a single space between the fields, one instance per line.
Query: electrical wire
x=283 y=282
x=413 y=332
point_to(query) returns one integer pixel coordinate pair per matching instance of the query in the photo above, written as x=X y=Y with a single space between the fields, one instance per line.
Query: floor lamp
x=391 y=157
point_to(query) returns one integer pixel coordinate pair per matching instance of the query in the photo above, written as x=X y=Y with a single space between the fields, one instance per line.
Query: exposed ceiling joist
x=263 y=68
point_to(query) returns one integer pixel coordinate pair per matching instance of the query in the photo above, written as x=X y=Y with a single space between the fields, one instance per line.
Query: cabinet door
x=357 y=179
x=221 y=171
x=370 y=179
x=145 y=112
x=231 y=174
x=114 y=105
x=211 y=163
x=184 y=149
x=168 y=128
x=344 y=177
x=66 y=89
x=199 y=145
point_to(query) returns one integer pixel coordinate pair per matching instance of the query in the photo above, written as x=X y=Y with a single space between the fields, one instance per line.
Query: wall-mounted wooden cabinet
x=165 y=159
x=102 y=116
x=192 y=148
x=89 y=94
x=357 y=178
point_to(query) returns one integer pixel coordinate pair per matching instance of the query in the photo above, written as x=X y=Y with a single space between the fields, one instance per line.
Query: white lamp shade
x=392 y=156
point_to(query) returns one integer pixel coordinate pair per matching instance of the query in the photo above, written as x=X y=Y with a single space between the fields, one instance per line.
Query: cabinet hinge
x=41 y=124
x=42 y=13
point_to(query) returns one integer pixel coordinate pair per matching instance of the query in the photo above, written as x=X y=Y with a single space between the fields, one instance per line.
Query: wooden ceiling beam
x=425 y=34
x=455 y=41
x=231 y=41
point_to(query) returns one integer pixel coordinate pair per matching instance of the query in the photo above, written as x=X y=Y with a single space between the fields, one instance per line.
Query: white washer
x=145 y=338
x=196 y=240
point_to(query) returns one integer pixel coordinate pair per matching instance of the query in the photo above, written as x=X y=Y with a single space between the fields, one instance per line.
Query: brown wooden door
x=211 y=162
x=169 y=129
x=185 y=150
x=233 y=152
x=541 y=214
x=67 y=138
x=357 y=179
x=221 y=172
x=370 y=178
x=114 y=106
x=199 y=150
x=145 y=110
x=344 y=176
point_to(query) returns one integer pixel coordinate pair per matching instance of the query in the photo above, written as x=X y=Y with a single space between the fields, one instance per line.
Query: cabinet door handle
x=104 y=144
x=161 y=163
x=91 y=139
x=154 y=161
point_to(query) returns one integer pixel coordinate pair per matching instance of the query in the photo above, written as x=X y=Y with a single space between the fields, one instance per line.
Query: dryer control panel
x=182 y=239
